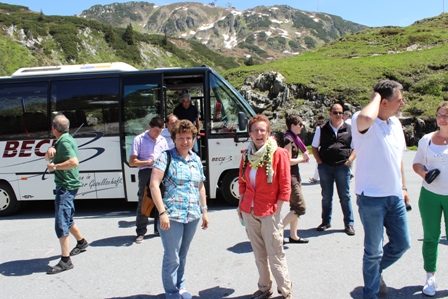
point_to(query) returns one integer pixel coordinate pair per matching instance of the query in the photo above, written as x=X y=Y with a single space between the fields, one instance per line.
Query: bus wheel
x=229 y=187
x=8 y=201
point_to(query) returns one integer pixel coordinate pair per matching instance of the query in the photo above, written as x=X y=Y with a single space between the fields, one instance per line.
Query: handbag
x=149 y=208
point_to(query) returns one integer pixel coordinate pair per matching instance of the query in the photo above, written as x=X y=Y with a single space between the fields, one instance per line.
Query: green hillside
x=347 y=69
x=31 y=39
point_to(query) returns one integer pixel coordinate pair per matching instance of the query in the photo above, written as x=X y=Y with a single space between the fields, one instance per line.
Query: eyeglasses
x=260 y=131
x=442 y=116
x=337 y=112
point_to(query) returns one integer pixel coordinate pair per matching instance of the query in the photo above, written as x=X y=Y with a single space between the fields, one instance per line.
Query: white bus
x=108 y=105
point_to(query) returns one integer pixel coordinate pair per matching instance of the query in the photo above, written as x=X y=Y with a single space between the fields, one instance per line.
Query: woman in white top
x=432 y=154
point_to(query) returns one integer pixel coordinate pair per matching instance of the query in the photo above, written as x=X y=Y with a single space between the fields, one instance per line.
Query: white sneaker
x=430 y=286
x=184 y=294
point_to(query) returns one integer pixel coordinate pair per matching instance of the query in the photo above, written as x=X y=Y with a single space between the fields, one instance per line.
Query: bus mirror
x=242 y=121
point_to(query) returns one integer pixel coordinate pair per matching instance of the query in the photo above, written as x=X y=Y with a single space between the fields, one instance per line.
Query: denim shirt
x=181 y=197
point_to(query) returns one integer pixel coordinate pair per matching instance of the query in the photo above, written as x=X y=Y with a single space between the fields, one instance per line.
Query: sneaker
x=430 y=286
x=139 y=239
x=383 y=287
x=79 y=248
x=184 y=294
x=323 y=227
x=60 y=267
x=261 y=295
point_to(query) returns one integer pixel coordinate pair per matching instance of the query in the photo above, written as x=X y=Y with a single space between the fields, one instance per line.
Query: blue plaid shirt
x=181 y=197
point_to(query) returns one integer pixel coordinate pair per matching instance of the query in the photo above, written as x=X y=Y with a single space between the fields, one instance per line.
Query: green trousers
x=432 y=206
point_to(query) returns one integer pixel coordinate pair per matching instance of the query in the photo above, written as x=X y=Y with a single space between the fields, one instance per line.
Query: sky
x=365 y=12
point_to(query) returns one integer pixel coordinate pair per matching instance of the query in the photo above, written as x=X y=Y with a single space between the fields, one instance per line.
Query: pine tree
x=128 y=35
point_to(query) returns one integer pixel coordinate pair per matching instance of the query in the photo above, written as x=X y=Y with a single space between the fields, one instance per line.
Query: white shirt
x=165 y=133
x=433 y=156
x=379 y=153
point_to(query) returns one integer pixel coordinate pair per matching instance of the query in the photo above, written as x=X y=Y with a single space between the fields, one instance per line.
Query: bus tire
x=8 y=200
x=229 y=187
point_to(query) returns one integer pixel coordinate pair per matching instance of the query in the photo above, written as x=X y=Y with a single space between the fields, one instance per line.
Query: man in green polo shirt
x=63 y=157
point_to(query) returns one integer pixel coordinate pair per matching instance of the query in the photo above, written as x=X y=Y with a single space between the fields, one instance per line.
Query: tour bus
x=108 y=105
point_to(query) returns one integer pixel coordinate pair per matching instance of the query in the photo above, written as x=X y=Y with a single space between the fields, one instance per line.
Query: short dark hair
x=387 y=88
x=156 y=121
x=293 y=119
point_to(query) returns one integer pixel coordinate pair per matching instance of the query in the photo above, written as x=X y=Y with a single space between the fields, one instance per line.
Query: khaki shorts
x=296 y=201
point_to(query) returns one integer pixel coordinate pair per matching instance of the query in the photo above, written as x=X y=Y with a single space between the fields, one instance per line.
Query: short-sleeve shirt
x=66 y=148
x=166 y=134
x=191 y=113
x=379 y=153
x=145 y=148
x=181 y=198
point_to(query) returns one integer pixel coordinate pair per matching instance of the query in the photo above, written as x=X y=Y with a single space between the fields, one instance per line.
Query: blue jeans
x=64 y=208
x=376 y=213
x=341 y=176
x=176 y=242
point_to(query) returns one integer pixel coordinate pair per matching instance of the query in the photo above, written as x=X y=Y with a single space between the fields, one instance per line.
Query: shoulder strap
x=168 y=162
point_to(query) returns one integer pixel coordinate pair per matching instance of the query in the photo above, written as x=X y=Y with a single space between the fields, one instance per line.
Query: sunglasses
x=337 y=112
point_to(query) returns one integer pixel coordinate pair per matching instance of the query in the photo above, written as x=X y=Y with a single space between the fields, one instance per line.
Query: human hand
x=205 y=221
x=164 y=222
x=50 y=167
x=51 y=152
x=406 y=197
x=375 y=95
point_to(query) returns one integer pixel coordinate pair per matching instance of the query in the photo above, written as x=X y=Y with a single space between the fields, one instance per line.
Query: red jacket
x=265 y=195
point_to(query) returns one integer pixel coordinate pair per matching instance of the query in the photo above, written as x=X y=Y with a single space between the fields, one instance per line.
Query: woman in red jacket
x=264 y=184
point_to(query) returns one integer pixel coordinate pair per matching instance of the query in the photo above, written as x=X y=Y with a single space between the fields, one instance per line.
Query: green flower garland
x=262 y=157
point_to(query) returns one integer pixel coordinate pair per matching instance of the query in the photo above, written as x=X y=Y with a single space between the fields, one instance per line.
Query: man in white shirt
x=166 y=132
x=380 y=186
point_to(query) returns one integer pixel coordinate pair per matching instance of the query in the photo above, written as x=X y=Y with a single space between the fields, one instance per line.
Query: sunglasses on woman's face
x=337 y=112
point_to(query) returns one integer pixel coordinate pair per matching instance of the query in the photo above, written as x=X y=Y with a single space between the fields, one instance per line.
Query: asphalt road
x=220 y=263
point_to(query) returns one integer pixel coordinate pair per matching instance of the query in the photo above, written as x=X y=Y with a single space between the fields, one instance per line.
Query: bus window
x=224 y=107
x=141 y=103
x=23 y=111
x=90 y=105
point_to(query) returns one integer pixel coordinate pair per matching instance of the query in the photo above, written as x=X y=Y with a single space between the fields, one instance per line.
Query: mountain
x=29 y=39
x=263 y=33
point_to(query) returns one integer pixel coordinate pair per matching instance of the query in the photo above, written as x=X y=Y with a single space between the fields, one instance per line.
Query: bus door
x=228 y=137
x=142 y=100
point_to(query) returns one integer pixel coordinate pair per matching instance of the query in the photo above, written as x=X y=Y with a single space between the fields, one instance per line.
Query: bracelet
x=404 y=189
x=164 y=212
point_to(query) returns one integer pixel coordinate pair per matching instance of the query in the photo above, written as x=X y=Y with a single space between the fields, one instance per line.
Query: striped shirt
x=181 y=197
x=145 y=148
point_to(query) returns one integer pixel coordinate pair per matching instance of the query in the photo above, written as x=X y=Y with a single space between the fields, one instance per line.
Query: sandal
x=314 y=181
x=79 y=248
x=60 y=267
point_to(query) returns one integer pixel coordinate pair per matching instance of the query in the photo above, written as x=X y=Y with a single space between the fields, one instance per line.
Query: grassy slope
x=347 y=69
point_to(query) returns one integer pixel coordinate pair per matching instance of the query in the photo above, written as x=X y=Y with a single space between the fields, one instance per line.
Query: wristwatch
x=54 y=167
x=204 y=208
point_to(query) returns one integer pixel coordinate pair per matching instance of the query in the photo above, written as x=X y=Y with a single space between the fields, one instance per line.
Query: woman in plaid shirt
x=181 y=206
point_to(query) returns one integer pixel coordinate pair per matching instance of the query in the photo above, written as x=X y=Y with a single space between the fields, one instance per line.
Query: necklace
x=442 y=138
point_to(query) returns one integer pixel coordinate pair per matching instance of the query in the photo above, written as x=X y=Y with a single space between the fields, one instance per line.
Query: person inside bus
x=185 y=110
x=264 y=185
x=169 y=122
x=145 y=149
x=63 y=157
x=181 y=206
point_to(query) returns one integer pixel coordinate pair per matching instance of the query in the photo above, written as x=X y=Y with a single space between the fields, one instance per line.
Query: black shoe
x=349 y=230
x=408 y=207
x=323 y=227
x=300 y=240
x=156 y=233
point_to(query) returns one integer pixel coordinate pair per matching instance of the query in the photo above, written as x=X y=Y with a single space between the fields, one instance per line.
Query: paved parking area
x=220 y=263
